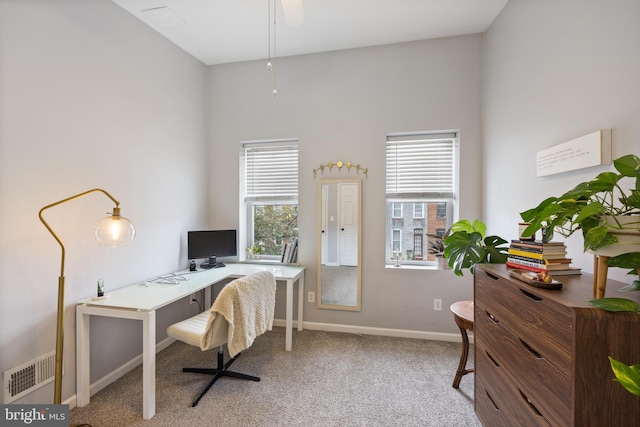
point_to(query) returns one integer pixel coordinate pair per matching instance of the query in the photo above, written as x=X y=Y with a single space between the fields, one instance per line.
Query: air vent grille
x=25 y=378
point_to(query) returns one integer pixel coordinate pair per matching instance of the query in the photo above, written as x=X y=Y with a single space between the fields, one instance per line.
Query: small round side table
x=463 y=316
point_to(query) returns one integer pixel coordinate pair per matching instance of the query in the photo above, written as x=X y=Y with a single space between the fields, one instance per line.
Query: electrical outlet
x=311 y=296
x=193 y=299
x=437 y=304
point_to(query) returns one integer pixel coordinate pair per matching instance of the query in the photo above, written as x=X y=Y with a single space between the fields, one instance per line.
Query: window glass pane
x=273 y=226
x=418 y=210
x=397 y=210
x=397 y=234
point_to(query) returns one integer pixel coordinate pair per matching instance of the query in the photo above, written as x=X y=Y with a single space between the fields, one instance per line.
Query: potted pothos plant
x=606 y=212
x=602 y=209
x=608 y=215
x=468 y=245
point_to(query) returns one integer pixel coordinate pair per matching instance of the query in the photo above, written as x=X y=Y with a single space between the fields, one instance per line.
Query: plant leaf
x=598 y=237
x=627 y=376
x=635 y=286
x=494 y=253
x=615 y=304
x=529 y=214
x=627 y=165
x=606 y=181
x=592 y=209
x=628 y=260
x=462 y=225
x=463 y=250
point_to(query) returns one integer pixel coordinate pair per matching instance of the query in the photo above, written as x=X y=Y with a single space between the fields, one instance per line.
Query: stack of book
x=290 y=252
x=534 y=255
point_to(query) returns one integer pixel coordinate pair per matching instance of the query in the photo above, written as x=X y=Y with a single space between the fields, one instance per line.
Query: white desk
x=140 y=302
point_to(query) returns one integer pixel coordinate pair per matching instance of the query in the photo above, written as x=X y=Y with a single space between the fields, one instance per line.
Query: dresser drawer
x=535 y=377
x=489 y=414
x=498 y=398
x=542 y=323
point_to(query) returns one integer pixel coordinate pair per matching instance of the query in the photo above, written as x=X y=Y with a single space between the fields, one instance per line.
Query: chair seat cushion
x=190 y=330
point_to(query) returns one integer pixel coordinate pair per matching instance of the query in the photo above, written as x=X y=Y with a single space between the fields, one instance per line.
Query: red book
x=526 y=267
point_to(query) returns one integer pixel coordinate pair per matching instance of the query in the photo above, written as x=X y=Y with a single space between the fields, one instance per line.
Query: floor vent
x=25 y=378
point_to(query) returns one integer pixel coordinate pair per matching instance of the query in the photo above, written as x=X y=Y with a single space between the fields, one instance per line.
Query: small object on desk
x=534 y=279
x=100 y=288
x=101 y=298
x=523 y=226
x=192 y=265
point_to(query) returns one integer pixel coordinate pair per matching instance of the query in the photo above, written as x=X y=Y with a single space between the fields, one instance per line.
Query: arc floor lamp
x=113 y=230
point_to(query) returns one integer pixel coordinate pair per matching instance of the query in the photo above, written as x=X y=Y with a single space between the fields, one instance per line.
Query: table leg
x=603 y=269
x=289 y=316
x=300 y=302
x=148 y=364
x=83 y=384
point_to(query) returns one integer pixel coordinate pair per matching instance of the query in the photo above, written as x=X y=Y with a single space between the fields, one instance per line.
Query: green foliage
x=588 y=206
x=616 y=304
x=273 y=225
x=467 y=246
x=627 y=376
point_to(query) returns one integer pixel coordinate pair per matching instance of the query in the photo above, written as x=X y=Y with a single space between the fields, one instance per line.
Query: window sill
x=411 y=267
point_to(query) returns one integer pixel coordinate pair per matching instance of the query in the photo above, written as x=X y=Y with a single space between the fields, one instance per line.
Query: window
x=418 y=210
x=269 y=178
x=396 y=239
x=396 y=210
x=422 y=169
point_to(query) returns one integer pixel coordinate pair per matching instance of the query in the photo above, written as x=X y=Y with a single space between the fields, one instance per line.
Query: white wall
x=341 y=105
x=91 y=97
x=554 y=71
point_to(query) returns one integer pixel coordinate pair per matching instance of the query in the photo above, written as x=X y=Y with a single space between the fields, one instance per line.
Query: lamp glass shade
x=114 y=230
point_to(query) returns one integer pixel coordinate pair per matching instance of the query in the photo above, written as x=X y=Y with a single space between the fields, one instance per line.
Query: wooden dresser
x=541 y=355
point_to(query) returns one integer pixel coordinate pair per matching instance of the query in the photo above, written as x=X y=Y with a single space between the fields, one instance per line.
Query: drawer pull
x=530 y=295
x=531 y=405
x=492 y=276
x=492 y=317
x=530 y=350
x=492 y=359
x=491 y=400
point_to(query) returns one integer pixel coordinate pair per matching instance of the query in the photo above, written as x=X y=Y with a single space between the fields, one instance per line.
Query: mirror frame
x=319 y=303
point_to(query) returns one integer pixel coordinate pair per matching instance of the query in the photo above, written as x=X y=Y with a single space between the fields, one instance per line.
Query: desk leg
x=289 y=317
x=300 y=301
x=148 y=364
x=83 y=382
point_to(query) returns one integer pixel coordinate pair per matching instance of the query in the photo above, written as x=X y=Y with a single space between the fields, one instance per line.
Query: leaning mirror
x=339 y=237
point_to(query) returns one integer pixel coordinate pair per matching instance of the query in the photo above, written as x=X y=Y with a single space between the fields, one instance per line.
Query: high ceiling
x=223 y=31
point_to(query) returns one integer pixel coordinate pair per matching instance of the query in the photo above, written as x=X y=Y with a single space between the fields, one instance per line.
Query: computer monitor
x=210 y=244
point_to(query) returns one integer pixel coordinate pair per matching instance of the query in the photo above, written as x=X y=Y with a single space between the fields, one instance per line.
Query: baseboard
x=118 y=372
x=314 y=326
x=386 y=332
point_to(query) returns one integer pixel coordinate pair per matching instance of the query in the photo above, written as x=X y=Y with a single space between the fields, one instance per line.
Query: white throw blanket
x=248 y=304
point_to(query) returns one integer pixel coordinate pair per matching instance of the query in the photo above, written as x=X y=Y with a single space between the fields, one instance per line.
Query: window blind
x=420 y=165
x=271 y=170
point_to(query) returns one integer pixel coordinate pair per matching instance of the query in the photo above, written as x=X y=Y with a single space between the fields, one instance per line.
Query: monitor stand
x=212 y=263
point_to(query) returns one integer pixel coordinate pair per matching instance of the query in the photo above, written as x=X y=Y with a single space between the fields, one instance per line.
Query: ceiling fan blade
x=293 y=12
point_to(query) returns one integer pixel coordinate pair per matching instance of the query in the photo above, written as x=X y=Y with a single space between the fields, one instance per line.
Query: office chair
x=242 y=311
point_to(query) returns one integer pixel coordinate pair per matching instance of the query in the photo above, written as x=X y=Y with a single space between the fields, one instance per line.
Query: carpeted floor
x=328 y=379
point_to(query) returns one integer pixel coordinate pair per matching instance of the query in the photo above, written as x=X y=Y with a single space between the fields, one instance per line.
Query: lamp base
x=102 y=298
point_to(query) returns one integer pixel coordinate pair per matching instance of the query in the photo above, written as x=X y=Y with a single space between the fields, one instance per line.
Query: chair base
x=219 y=372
